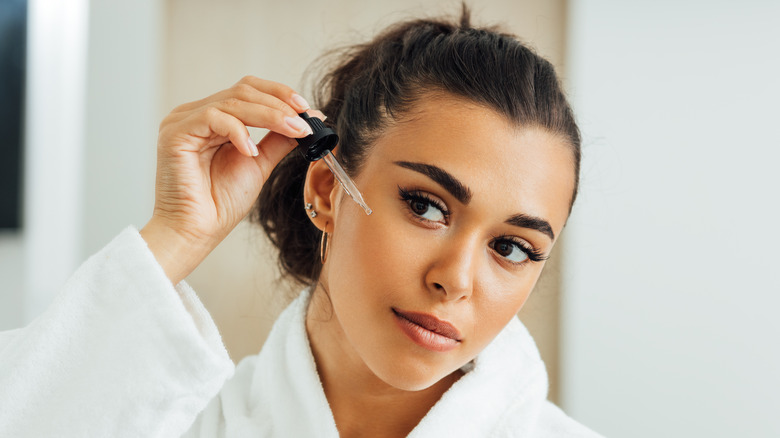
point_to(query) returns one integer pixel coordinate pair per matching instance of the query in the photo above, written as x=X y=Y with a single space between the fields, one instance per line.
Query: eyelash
x=533 y=254
x=409 y=196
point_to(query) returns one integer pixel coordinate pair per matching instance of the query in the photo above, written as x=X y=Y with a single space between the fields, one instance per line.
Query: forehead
x=508 y=168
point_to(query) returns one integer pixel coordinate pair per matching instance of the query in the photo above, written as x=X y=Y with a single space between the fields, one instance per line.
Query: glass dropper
x=345 y=181
x=318 y=145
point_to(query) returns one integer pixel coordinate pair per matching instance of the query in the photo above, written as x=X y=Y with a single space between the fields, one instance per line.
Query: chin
x=409 y=374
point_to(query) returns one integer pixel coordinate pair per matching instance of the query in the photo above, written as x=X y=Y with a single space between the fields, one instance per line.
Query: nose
x=452 y=273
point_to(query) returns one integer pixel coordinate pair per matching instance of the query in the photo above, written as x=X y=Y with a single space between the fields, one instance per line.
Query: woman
x=461 y=142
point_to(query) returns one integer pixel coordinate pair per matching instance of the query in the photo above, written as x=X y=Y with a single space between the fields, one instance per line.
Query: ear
x=320 y=191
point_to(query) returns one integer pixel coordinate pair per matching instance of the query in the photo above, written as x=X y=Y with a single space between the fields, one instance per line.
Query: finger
x=260 y=116
x=210 y=121
x=318 y=114
x=251 y=117
x=243 y=92
x=273 y=147
x=281 y=91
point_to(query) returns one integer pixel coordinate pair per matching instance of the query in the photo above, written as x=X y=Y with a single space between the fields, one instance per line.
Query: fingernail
x=300 y=101
x=298 y=124
x=252 y=147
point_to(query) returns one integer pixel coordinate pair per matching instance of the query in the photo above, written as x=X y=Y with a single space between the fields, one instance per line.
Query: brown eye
x=424 y=207
x=503 y=248
x=426 y=210
x=510 y=250
x=419 y=207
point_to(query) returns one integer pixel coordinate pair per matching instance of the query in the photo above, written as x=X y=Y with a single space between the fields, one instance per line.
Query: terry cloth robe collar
x=501 y=395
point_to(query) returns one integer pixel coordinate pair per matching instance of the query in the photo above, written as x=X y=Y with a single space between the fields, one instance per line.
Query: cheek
x=375 y=253
x=498 y=301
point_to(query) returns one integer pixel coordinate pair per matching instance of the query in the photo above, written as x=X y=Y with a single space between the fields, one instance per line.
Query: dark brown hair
x=373 y=83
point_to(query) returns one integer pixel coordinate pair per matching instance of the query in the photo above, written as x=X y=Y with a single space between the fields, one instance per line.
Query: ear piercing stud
x=312 y=213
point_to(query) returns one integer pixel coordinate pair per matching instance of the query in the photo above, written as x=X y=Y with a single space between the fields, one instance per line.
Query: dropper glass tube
x=345 y=181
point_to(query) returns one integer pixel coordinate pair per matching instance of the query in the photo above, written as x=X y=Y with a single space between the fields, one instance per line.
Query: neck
x=362 y=404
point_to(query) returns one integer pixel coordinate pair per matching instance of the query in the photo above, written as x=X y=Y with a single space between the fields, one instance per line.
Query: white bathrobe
x=122 y=353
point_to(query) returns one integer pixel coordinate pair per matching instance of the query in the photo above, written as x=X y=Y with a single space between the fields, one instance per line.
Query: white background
x=671 y=288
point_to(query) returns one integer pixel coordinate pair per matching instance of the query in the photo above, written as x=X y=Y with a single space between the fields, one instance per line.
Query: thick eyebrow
x=463 y=194
x=442 y=177
x=532 y=222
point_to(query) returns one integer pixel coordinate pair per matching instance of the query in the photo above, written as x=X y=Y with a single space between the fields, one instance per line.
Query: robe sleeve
x=120 y=352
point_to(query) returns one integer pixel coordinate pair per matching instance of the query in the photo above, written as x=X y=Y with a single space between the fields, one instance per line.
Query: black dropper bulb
x=320 y=142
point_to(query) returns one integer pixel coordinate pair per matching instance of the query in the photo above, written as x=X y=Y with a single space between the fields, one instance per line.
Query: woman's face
x=463 y=203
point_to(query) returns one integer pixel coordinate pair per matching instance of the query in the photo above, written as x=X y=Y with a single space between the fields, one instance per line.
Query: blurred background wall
x=666 y=299
x=671 y=284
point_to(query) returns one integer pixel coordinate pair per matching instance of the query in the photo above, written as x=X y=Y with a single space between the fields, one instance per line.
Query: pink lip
x=428 y=331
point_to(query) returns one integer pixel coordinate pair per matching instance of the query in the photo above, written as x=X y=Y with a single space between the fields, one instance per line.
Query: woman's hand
x=209 y=172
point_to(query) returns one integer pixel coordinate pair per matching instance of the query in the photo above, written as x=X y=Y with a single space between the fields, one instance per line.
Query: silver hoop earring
x=323 y=247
